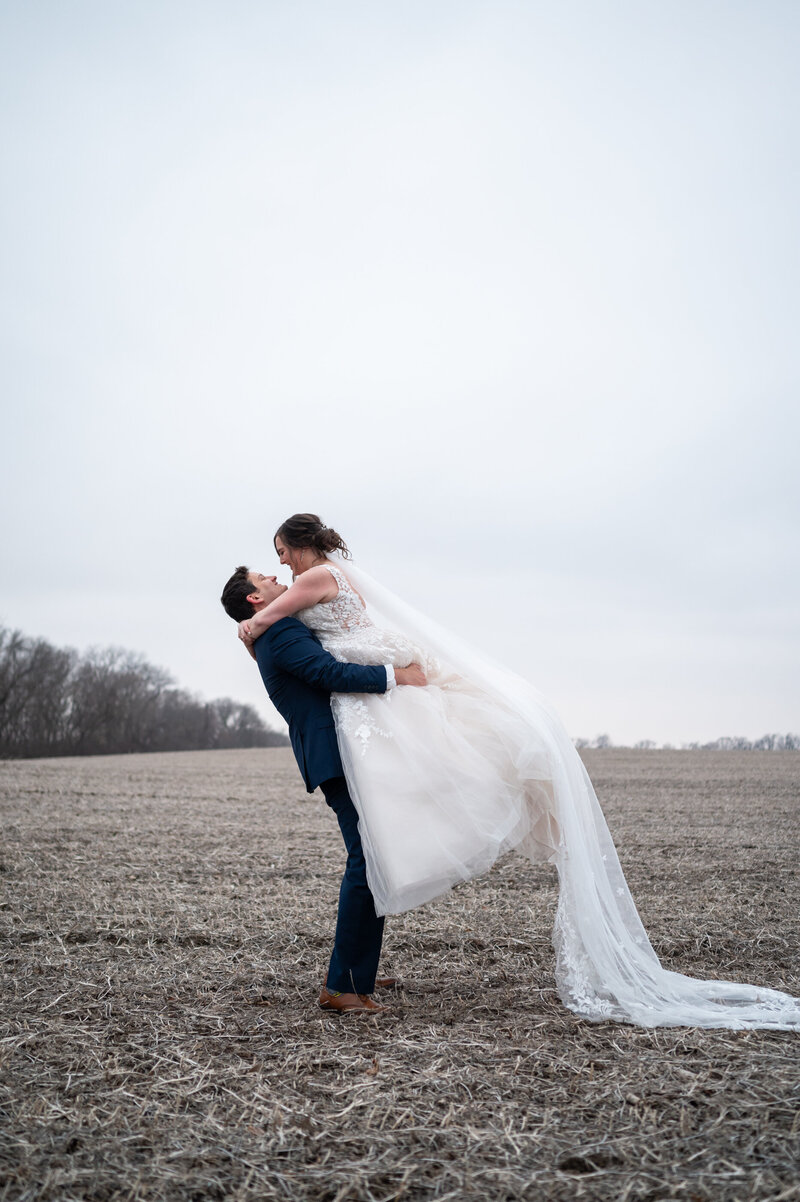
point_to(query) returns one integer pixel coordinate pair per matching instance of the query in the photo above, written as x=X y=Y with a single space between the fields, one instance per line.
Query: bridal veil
x=606 y=967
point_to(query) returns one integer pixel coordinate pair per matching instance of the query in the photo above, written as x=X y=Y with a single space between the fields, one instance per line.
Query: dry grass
x=166 y=924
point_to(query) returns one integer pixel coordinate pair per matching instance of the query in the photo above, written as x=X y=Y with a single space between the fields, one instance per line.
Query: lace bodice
x=345 y=613
x=345 y=628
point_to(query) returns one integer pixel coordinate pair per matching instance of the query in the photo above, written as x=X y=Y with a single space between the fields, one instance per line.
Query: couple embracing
x=436 y=762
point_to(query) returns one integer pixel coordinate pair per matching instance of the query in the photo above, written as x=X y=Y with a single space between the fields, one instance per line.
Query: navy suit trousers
x=359 y=931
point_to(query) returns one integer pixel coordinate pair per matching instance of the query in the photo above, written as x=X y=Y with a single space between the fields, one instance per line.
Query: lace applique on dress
x=341 y=617
x=344 y=628
x=353 y=718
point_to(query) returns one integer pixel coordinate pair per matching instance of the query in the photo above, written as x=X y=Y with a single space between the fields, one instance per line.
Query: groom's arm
x=295 y=650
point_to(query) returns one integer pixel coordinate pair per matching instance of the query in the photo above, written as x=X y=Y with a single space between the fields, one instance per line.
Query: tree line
x=107 y=701
x=726 y=743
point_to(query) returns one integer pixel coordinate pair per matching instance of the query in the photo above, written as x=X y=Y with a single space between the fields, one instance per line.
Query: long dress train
x=449 y=777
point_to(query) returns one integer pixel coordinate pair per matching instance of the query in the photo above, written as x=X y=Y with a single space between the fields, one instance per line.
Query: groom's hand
x=413 y=674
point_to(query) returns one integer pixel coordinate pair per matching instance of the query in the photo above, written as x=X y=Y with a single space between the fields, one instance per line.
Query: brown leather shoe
x=387 y=983
x=349 y=1003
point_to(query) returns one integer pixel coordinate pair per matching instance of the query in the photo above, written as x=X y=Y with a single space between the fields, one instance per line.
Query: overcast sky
x=507 y=292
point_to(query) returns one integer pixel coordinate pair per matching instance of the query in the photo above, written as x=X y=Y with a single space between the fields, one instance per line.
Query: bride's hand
x=246 y=636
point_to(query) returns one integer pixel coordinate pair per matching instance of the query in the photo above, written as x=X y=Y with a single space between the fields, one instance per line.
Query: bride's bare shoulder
x=320 y=572
x=316 y=584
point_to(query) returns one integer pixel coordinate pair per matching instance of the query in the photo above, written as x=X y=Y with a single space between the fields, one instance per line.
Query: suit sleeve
x=295 y=650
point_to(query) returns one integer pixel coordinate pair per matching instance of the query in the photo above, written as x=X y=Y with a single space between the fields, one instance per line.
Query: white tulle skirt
x=446 y=778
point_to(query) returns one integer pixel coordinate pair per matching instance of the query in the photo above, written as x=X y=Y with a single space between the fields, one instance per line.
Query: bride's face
x=290 y=556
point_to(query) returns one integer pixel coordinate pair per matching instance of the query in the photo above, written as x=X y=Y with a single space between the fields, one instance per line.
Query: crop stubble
x=166 y=924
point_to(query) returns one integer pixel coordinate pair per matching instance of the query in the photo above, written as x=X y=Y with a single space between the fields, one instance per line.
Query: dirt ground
x=166 y=922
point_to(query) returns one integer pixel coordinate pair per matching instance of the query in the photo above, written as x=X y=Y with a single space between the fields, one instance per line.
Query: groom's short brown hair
x=235 y=593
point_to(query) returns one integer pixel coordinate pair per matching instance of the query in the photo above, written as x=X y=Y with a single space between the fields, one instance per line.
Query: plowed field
x=166 y=922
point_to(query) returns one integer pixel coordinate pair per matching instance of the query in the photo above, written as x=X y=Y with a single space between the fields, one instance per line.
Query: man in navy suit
x=300 y=676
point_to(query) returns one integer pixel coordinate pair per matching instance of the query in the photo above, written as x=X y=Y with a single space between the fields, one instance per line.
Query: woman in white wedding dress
x=448 y=777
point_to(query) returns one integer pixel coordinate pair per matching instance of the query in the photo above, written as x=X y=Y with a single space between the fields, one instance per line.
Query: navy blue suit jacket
x=300 y=676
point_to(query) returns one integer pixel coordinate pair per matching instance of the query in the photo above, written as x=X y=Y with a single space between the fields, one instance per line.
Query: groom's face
x=265 y=589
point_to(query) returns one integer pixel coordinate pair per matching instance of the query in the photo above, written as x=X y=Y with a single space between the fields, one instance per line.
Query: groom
x=300 y=676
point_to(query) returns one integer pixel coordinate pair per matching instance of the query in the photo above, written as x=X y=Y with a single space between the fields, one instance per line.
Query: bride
x=448 y=777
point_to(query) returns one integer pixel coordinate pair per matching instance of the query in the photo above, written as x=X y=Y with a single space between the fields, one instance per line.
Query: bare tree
x=35 y=682
x=55 y=702
x=114 y=699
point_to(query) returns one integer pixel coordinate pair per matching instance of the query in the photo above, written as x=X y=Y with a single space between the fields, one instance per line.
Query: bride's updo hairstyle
x=307 y=530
